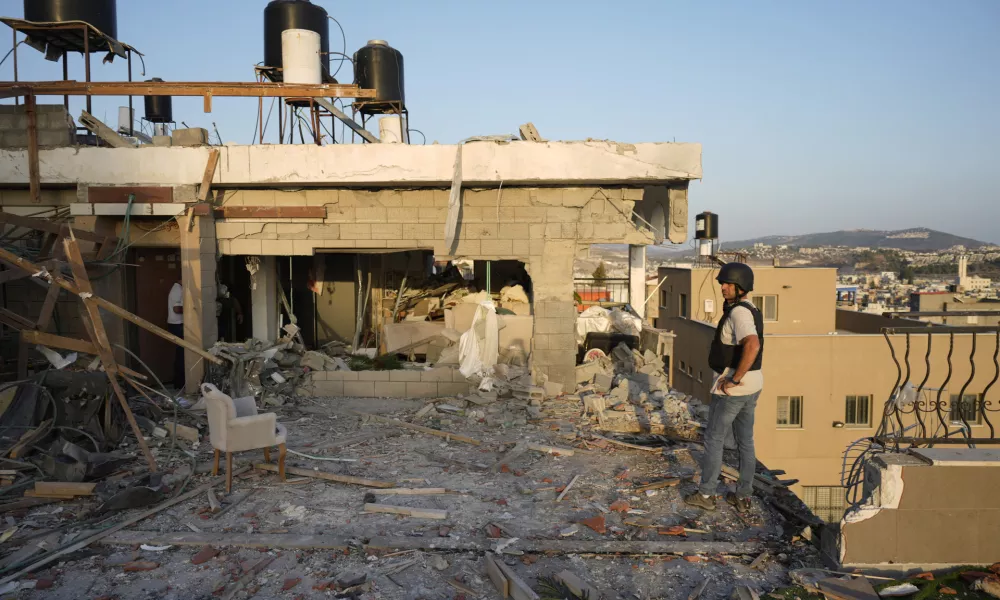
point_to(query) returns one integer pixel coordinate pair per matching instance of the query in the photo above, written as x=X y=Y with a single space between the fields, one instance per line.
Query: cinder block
x=226 y=230
x=403 y=215
x=370 y=214
x=529 y=214
x=466 y=248
x=569 y=231
x=289 y=198
x=418 y=231
x=390 y=389
x=373 y=375
x=456 y=375
x=536 y=247
x=423 y=389
x=328 y=388
x=340 y=214
x=162 y=141
x=342 y=375
x=321 y=197
x=496 y=247
x=437 y=374
x=387 y=231
x=391 y=198
x=277 y=247
x=245 y=247
x=284 y=229
x=553 y=231
x=432 y=215
x=11 y=121
x=475 y=214
x=405 y=375
x=371 y=244
x=515 y=231
x=258 y=197
x=585 y=231
x=15 y=138
x=356 y=231
x=323 y=232
x=453 y=388
x=303 y=247
x=546 y=325
x=196 y=136
x=361 y=389
x=418 y=198
x=55 y=138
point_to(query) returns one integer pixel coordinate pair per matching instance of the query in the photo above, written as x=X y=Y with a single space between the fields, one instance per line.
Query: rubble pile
x=629 y=392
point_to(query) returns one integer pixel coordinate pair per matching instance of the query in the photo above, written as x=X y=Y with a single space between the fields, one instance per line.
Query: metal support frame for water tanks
x=70 y=45
x=395 y=108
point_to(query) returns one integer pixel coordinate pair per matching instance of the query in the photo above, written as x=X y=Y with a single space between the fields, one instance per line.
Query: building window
x=690 y=371
x=664 y=300
x=968 y=407
x=682 y=306
x=790 y=411
x=767 y=305
x=826 y=502
x=683 y=367
x=699 y=376
x=858 y=411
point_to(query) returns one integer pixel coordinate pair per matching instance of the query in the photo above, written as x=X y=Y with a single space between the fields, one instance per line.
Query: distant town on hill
x=919 y=239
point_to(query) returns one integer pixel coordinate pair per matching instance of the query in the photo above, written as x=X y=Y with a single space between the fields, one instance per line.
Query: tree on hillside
x=600 y=273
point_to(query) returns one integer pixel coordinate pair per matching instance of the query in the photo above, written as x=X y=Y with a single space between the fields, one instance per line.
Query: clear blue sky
x=814 y=116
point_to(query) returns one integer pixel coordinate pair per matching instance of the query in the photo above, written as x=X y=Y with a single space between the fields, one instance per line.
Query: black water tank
x=280 y=15
x=102 y=14
x=379 y=66
x=706 y=226
x=159 y=109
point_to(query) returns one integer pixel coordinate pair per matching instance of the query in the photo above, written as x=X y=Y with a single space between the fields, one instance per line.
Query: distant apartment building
x=945 y=302
x=827 y=372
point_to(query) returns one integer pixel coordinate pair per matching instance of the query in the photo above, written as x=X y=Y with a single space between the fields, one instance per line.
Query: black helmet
x=739 y=274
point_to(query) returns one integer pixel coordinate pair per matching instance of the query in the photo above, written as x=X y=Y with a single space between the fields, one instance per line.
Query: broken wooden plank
x=566 y=546
x=57 y=341
x=206 y=180
x=656 y=485
x=444 y=434
x=284 y=541
x=518 y=449
x=551 y=450
x=29 y=438
x=567 y=488
x=214 y=505
x=519 y=590
x=64 y=488
x=51 y=557
x=34 y=171
x=496 y=575
x=698 y=590
x=657 y=449
x=414 y=491
x=407 y=511
x=99 y=336
x=326 y=476
x=48 y=226
x=110 y=307
x=107 y=135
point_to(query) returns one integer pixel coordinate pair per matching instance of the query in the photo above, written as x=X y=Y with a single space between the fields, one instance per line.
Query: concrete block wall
x=55 y=126
x=434 y=383
x=543 y=227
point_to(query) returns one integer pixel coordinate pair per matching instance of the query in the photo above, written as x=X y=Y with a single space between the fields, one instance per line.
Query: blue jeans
x=725 y=413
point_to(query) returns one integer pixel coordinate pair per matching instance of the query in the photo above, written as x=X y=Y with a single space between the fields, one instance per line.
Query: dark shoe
x=741 y=504
x=696 y=499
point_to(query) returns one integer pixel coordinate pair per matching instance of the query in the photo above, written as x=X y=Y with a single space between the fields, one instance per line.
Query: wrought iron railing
x=922 y=414
x=605 y=292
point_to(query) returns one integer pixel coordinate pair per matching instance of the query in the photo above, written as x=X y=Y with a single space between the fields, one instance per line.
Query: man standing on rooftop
x=736 y=356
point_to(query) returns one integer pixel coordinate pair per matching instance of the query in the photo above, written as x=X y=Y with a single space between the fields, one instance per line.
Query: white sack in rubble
x=479 y=347
x=513 y=293
x=594 y=319
x=56 y=359
x=626 y=323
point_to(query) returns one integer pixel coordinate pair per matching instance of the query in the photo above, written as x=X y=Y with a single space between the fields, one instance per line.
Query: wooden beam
x=48 y=308
x=57 y=341
x=49 y=226
x=206 y=181
x=119 y=195
x=108 y=135
x=53 y=556
x=284 y=541
x=100 y=338
x=111 y=307
x=408 y=511
x=34 y=174
x=467 y=544
x=208 y=102
x=271 y=212
x=64 y=488
x=14 y=320
x=170 y=88
x=327 y=476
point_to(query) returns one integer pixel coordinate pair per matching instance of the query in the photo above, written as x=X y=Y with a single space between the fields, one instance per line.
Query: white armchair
x=235 y=426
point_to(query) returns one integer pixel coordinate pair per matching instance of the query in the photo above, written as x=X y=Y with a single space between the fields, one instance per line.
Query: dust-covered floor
x=487 y=500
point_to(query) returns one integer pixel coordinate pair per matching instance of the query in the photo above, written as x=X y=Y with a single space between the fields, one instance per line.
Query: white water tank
x=390 y=129
x=300 y=56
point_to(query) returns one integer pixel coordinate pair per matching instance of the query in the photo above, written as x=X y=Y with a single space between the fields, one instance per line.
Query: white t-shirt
x=738 y=326
x=175 y=298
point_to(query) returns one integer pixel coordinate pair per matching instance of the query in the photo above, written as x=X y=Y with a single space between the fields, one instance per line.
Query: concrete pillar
x=554 y=337
x=264 y=300
x=198 y=262
x=637 y=279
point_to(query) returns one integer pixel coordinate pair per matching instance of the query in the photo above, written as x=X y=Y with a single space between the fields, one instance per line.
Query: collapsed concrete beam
x=483 y=163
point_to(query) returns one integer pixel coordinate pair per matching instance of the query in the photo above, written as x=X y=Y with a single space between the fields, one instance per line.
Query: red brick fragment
x=44 y=583
x=290 y=583
x=595 y=523
x=947 y=591
x=675 y=530
x=620 y=506
x=141 y=565
x=204 y=555
x=494 y=532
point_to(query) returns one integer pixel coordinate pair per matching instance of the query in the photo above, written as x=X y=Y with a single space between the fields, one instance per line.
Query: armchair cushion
x=248 y=433
x=235 y=425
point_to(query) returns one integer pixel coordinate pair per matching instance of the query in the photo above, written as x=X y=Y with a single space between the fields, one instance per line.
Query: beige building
x=827 y=373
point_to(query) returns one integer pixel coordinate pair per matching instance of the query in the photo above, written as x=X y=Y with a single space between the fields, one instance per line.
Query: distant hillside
x=920 y=240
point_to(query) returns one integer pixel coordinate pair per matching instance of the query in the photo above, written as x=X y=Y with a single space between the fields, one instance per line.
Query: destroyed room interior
x=337 y=362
